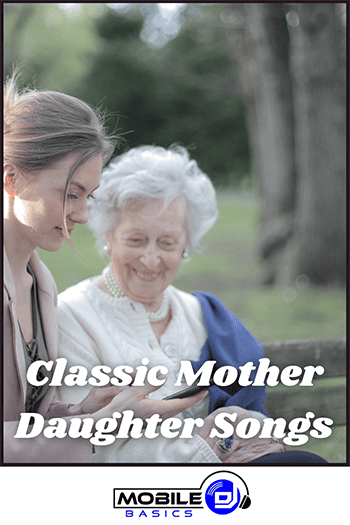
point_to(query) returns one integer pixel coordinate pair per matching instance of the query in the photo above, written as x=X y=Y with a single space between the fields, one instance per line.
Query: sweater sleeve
x=39 y=449
x=77 y=354
x=157 y=450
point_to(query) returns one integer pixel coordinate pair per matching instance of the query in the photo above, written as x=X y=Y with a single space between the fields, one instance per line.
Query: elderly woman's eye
x=167 y=244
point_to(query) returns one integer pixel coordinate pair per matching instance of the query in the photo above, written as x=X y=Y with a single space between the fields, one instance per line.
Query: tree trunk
x=317 y=248
x=292 y=82
x=264 y=59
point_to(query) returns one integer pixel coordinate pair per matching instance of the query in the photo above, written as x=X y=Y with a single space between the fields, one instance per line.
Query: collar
x=37 y=265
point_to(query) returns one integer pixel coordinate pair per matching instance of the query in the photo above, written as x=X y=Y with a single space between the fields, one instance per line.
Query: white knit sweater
x=96 y=328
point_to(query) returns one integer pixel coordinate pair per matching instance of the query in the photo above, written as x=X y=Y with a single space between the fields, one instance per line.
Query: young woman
x=54 y=149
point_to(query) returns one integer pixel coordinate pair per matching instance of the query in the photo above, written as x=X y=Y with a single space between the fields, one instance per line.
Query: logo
x=222 y=493
x=226 y=492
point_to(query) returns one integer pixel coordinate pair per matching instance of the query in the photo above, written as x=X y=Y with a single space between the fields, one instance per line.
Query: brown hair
x=40 y=127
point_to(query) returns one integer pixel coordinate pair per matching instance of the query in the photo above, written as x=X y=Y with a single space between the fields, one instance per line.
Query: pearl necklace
x=154 y=317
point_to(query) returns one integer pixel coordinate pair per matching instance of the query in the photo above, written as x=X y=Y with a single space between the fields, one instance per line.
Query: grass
x=228 y=268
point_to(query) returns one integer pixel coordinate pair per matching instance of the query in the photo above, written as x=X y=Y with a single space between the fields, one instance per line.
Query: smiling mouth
x=61 y=229
x=147 y=276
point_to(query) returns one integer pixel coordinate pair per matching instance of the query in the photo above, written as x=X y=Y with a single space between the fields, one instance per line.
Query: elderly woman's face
x=147 y=248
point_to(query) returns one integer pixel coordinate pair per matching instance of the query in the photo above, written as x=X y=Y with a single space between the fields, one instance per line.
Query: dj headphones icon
x=246 y=501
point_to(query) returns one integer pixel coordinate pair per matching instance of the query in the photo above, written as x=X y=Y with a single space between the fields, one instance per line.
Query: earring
x=9 y=186
x=107 y=249
x=184 y=254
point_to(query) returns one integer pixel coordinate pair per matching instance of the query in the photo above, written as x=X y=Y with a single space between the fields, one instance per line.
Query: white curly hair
x=153 y=172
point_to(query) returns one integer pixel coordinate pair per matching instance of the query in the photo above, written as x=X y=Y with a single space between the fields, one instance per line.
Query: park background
x=256 y=92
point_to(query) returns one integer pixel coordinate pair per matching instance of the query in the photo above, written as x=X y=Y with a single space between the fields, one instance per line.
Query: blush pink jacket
x=39 y=449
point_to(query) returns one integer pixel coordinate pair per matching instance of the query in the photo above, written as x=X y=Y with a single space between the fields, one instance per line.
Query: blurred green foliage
x=185 y=92
x=48 y=43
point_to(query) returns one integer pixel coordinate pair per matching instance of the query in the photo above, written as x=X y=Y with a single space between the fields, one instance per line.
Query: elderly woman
x=151 y=210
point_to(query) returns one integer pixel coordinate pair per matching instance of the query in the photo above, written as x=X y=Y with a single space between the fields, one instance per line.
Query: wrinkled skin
x=243 y=450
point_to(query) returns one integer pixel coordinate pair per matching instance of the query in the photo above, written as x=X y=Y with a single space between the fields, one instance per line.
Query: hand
x=97 y=398
x=243 y=450
x=135 y=398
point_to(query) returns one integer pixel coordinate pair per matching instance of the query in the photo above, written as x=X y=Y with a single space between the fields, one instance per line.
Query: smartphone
x=194 y=389
x=189 y=391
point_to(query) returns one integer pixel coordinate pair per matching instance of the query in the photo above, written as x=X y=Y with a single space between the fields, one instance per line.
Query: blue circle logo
x=222 y=497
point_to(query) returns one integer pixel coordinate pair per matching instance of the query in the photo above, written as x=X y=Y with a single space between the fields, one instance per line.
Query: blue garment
x=294 y=457
x=229 y=343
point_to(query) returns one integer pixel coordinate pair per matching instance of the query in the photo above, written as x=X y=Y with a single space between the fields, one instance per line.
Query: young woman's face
x=38 y=208
x=146 y=248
